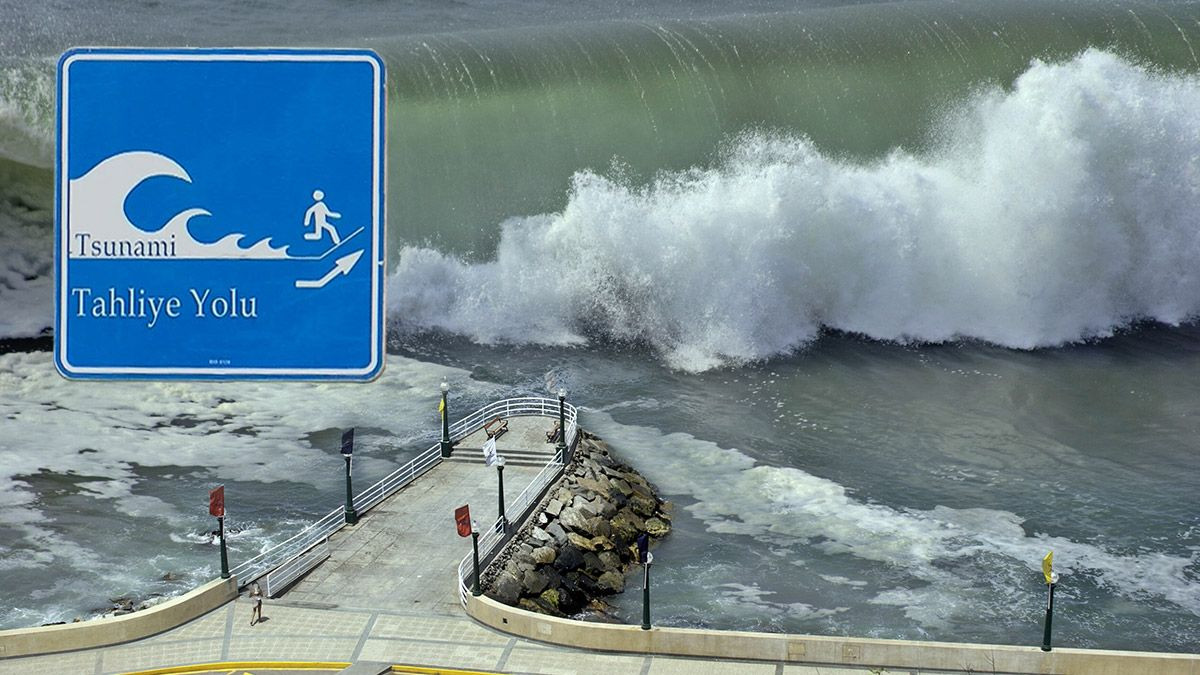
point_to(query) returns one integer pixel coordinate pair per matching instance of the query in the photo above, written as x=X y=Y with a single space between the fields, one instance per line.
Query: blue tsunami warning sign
x=220 y=214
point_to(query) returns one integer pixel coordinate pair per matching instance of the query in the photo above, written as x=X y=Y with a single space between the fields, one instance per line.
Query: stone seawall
x=579 y=544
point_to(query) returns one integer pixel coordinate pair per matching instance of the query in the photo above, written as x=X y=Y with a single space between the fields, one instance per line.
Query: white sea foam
x=783 y=505
x=1058 y=211
x=103 y=433
x=740 y=600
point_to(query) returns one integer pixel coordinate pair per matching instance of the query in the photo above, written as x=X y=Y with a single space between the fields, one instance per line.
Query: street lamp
x=348 y=453
x=475 y=590
x=500 y=474
x=561 y=447
x=1049 y=610
x=646 y=558
x=447 y=448
x=216 y=507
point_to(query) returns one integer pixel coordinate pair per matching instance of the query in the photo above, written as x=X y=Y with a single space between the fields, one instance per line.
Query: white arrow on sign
x=343 y=266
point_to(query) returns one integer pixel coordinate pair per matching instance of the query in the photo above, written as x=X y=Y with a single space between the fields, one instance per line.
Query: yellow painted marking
x=438 y=671
x=230 y=667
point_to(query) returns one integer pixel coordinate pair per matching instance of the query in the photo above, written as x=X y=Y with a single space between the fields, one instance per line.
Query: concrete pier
x=404 y=554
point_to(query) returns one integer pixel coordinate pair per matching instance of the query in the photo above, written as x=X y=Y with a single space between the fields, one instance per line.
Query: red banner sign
x=462 y=518
x=216 y=502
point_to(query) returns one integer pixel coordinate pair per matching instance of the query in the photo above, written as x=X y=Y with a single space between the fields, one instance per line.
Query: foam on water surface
x=951 y=561
x=93 y=476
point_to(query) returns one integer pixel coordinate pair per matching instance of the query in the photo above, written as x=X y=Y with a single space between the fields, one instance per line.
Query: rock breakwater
x=579 y=544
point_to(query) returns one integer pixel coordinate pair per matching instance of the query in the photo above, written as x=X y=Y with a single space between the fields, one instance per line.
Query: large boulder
x=602 y=544
x=593 y=485
x=574 y=519
x=611 y=582
x=556 y=531
x=579 y=541
x=534 y=582
x=593 y=565
x=588 y=507
x=622 y=487
x=657 y=527
x=506 y=588
x=569 y=558
x=643 y=505
x=610 y=561
x=550 y=596
x=599 y=527
x=625 y=527
x=544 y=555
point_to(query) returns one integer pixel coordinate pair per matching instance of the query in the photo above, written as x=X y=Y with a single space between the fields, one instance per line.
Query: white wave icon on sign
x=99 y=228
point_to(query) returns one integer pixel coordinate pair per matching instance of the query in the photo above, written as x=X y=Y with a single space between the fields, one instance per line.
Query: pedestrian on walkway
x=256 y=595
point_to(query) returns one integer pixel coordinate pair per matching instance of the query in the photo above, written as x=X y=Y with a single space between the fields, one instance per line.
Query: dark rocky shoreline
x=579 y=543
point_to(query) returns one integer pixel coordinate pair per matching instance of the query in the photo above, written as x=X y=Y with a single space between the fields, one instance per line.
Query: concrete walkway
x=293 y=633
x=389 y=593
x=404 y=554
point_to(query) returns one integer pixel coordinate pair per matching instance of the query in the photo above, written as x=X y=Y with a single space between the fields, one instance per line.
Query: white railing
x=511 y=407
x=300 y=543
x=333 y=521
x=278 y=579
x=495 y=537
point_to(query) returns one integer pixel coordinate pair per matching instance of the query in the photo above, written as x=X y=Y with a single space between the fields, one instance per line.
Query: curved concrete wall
x=118 y=629
x=861 y=652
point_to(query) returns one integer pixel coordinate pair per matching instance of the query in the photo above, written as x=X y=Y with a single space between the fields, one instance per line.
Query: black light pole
x=475 y=590
x=447 y=448
x=500 y=475
x=348 y=453
x=216 y=507
x=562 y=426
x=224 y=552
x=646 y=558
x=1049 y=610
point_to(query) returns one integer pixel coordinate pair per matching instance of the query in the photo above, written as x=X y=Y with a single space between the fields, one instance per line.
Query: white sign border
x=378 y=213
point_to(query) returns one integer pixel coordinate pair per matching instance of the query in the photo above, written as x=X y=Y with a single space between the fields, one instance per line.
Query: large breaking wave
x=1057 y=211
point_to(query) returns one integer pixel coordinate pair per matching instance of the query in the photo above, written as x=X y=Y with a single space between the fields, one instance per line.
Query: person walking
x=256 y=595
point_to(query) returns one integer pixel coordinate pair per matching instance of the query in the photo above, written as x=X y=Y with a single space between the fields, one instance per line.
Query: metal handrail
x=524 y=501
x=492 y=540
x=511 y=407
x=298 y=544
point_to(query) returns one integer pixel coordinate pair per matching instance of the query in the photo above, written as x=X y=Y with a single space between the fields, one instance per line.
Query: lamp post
x=224 y=551
x=561 y=447
x=646 y=558
x=348 y=454
x=475 y=590
x=1049 y=610
x=500 y=475
x=216 y=508
x=447 y=448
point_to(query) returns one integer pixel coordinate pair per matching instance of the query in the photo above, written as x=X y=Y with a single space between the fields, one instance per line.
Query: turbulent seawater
x=891 y=299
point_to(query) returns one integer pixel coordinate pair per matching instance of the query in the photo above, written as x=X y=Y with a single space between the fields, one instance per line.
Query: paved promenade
x=389 y=593
x=294 y=633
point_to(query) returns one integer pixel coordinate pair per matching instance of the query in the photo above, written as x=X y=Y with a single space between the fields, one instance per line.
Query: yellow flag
x=1048 y=566
x=442 y=408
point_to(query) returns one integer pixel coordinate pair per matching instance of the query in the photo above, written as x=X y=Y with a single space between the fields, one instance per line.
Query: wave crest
x=1055 y=212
